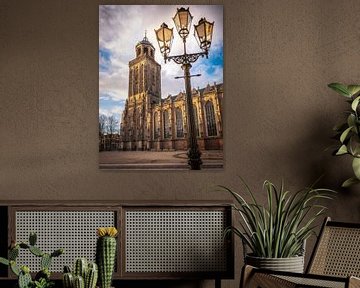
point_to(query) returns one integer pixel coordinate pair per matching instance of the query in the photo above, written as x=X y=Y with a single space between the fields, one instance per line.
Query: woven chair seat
x=335 y=262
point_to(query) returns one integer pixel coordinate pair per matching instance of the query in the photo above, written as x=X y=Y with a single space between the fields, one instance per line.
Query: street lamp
x=203 y=34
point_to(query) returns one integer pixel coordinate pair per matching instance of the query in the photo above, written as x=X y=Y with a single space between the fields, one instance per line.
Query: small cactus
x=80 y=268
x=106 y=254
x=24 y=280
x=57 y=252
x=32 y=238
x=13 y=253
x=43 y=274
x=79 y=282
x=45 y=261
x=68 y=280
x=14 y=268
x=84 y=274
x=91 y=276
x=42 y=278
x=36 y=251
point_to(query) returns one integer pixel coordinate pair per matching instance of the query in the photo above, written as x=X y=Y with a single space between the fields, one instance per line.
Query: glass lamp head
x=164 y=36
x=204 y=30
x=182 y=20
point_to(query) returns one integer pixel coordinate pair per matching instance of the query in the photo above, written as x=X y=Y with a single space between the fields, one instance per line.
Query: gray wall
x=279 y=113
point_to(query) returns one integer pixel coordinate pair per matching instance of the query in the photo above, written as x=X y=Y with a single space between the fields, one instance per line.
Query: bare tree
x=102 y=124
x=112 y=125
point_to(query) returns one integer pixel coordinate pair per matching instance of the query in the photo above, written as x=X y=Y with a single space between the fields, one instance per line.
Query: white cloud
x=122 y=26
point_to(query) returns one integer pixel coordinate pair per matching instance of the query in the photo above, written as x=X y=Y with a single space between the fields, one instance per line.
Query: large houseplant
x=348 y=132
x=275 y=233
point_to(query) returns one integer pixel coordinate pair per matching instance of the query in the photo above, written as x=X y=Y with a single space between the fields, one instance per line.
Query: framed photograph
x=161 y=87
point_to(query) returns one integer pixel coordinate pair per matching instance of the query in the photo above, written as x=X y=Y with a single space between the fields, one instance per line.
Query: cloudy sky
x=121 y=27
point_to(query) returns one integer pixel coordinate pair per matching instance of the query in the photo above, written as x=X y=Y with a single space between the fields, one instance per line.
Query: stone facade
x=152 y=123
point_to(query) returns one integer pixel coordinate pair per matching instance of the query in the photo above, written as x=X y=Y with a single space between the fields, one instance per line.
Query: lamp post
x=203 y=35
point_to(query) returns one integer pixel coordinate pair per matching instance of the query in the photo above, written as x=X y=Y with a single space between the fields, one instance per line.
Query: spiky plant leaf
x=349 y=182
x=279 y=228
x=340 y=88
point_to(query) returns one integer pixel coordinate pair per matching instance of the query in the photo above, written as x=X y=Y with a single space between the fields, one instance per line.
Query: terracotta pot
x=291 y=264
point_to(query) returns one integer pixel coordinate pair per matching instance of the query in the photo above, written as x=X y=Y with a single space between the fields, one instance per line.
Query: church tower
x=144 y=72
x=144 y=92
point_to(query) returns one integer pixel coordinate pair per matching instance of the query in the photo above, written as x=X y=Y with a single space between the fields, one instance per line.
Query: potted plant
x=84 y=274
x=276 y=233
x=348 y=133
x=42 y=278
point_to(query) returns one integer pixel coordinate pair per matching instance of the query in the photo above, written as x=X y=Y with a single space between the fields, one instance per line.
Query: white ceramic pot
x=291 y=264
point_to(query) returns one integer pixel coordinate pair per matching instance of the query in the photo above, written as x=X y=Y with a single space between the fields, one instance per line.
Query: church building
x=152 y=123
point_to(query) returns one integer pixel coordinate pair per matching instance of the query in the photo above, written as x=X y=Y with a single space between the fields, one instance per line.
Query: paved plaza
x=168 y=160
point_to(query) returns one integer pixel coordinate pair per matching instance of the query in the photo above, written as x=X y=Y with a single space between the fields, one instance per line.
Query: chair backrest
x=337 y=251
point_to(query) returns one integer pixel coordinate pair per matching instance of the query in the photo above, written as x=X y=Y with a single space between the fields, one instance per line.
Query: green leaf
x=4 y=261
x=349 y=182
x=345 y=134
x=353 y=89
x=351 y=120
x=340 y=88
x=342 y=150
x=355 y=103
x=32 y=238
x=356 y=167
x=354 y=145
x=14 y=268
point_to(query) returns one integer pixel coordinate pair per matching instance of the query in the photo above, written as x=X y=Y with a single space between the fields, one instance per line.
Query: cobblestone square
x=151 y=160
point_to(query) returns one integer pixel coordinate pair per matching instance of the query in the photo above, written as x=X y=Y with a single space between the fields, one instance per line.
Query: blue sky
x=122 y=26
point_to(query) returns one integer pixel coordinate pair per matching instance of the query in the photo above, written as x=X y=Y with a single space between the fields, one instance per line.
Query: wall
x=279 y=57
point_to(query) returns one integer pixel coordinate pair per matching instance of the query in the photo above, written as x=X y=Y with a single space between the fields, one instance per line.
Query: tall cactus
x=106 y=254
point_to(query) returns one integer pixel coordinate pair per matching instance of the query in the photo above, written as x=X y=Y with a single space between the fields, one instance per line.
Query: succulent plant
x=348 y=132
x=106 y=254
x=85 y=275
x=42 y=278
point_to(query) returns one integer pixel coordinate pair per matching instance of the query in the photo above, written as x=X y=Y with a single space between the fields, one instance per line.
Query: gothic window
x=179 y=124
x=156 y=126
x=138 y=52
x=139 y=124
x=136 y=82
x=166 y=125
x=196 y=120
x=145 y=50
x=141 y=78
x=153 y=76
x=130 y=81
x=210 y=119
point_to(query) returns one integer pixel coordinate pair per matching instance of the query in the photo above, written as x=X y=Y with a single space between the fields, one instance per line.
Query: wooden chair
x=335 y=262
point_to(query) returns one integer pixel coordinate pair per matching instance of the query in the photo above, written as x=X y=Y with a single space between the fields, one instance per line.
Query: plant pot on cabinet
x=290 y=264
